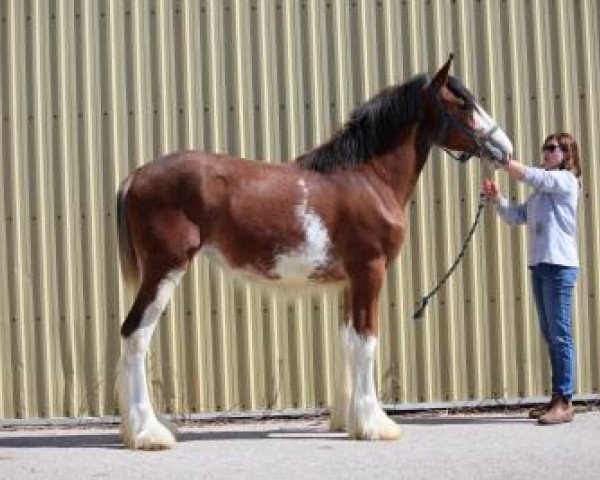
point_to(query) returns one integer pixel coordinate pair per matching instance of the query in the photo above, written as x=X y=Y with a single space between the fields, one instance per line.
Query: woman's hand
x=514 y=168
x=490 y=189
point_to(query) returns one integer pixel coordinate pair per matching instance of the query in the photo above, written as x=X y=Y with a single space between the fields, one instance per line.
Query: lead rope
x=423 y=303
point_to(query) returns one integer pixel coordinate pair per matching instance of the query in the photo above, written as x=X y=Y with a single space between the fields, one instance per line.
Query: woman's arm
x=548 y=181
x=515 y=214
x=511 y=214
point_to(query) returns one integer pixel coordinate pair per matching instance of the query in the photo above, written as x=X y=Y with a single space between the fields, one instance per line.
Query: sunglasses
x=552 y=148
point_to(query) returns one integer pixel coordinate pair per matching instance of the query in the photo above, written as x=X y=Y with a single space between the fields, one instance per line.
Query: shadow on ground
x=194 y=433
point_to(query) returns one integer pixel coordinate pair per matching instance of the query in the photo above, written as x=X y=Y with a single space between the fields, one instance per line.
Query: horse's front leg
x=366 y=420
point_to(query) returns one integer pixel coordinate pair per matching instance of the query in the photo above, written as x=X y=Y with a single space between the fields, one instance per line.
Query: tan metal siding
x=91 y=89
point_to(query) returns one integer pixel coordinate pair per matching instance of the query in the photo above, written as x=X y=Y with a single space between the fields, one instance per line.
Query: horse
x=336 y=216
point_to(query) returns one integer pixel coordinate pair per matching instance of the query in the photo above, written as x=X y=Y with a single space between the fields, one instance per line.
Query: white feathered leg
x=139 y=426
x=342 y=388
x=367 y=420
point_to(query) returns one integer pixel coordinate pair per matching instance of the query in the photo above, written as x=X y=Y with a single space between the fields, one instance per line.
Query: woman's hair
x=571 y=161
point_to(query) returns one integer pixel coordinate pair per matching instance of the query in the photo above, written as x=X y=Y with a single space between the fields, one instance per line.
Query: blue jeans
x=553 y=290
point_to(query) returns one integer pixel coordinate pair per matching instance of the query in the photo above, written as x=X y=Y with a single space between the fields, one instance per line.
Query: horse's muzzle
x=497 y=147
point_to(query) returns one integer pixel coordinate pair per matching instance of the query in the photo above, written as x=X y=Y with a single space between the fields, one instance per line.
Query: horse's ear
x=441 y=77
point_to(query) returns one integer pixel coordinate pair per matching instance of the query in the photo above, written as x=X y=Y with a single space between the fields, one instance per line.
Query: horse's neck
x=400 y=168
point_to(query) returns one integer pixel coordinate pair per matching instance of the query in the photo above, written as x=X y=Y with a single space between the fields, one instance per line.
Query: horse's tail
x=129 y=263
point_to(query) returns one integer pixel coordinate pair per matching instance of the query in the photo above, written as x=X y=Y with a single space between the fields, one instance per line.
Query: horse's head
x=458 y=123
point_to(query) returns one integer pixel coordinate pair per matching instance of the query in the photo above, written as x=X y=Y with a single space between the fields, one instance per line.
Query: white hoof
x=147 y=435
x=158 y=438
x=373 y=424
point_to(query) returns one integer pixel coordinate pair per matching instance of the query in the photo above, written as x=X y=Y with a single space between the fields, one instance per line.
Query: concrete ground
x=433 y=446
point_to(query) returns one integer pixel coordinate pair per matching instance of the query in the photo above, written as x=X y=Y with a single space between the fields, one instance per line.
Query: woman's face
x=554 y=154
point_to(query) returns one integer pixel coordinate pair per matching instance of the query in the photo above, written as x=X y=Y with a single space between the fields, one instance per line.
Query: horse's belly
x=278 y=256
x=297 y=268
x=293 y=268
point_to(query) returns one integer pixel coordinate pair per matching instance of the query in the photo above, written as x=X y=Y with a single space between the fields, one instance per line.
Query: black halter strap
x=480 y=139
x=420 y=307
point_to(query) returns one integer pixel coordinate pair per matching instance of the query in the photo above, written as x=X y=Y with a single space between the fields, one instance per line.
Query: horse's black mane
x=373 y=126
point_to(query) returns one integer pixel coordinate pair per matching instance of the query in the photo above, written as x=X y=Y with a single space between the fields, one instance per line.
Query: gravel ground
x=483 y=445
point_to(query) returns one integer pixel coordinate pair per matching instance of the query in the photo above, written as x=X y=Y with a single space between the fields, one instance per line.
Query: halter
x=479 y=138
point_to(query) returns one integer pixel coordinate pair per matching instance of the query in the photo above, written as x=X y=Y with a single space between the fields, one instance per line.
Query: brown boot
x=561 y=412
x=540 y=410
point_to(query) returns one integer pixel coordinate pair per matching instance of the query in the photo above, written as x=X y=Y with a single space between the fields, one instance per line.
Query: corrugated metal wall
x=91 y=89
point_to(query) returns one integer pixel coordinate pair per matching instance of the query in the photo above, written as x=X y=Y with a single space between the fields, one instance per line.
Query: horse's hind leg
x=139 y=426
x=343 y=385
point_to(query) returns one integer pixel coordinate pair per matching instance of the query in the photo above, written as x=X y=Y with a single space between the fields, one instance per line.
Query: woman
x=551 y=217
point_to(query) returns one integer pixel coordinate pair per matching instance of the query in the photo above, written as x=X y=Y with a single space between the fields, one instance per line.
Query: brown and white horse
x=336 y=215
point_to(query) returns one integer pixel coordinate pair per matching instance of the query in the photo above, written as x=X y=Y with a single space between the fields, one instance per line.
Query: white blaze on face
x=499 y=144
x=300 y=263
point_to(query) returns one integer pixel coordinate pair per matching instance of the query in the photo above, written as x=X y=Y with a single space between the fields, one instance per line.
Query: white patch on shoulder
x=298 y=264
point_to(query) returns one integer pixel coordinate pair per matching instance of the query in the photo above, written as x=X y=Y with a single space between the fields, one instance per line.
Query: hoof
x=153 y=436
x=152 y=441
x=381 y=427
